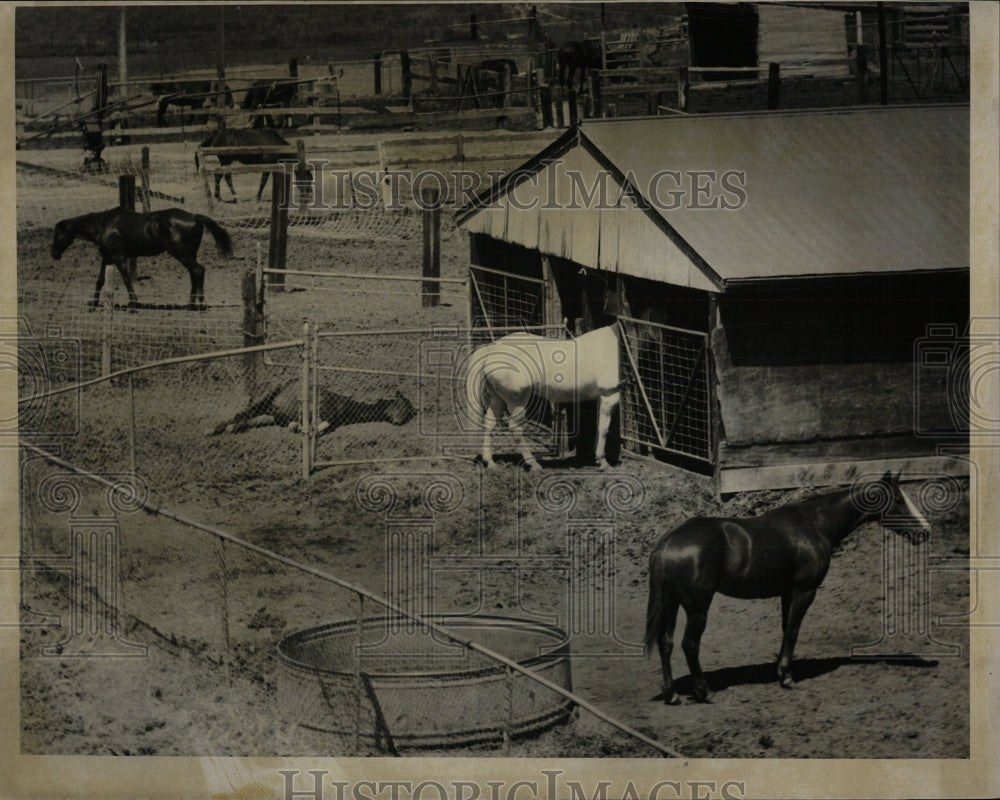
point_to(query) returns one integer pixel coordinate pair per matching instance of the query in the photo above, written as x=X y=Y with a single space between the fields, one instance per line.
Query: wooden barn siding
x=621 y=239
x=800 y=403
x=799 y=38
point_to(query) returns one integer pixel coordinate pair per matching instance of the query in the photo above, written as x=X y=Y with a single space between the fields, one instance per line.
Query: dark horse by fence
x=280 y=403
x=187 y=94
x=783 y=553
x=249 y=138
x=573 y=56
x=264 y=94
x=121 y=235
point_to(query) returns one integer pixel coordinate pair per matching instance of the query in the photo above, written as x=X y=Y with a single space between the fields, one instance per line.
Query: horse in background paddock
x=120 y=235
x=574 y=57
x=268 y=94
x=249 y=138
x=505 y=375
x=280 y=403
x=186 y=94
x=784 y=552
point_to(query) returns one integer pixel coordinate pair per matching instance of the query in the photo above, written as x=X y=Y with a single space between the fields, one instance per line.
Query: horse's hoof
x=322 y=426
x=673 y=700
x=787 y=682
x=532 y=466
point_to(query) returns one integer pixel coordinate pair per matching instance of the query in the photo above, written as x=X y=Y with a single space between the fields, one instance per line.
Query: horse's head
x=398 y=410
x=62 y=237
x=899 y=512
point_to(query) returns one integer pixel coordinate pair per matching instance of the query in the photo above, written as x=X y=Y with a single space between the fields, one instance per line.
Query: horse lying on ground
x=120 y=235
x=249 y=138
x=280 y=403
x=783 y=553
x=508 y=373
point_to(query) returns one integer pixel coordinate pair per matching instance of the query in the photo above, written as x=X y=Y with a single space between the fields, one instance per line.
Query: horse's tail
x=222 y=240
x=655 y=621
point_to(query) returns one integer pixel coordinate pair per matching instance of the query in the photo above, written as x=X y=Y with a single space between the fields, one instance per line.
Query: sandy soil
x=206 y=685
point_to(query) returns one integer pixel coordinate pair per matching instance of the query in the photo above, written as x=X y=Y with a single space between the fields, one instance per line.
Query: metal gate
x=505 y=299
x=666 y=400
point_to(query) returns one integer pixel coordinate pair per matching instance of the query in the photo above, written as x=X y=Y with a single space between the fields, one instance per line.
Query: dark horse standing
x=264 y=94
x=121 y=235
x=249 y=138
x=580 y=56
x=187 y=94
x=783 y=553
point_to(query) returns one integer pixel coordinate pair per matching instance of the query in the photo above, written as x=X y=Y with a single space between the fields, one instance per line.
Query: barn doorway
x=723 y=35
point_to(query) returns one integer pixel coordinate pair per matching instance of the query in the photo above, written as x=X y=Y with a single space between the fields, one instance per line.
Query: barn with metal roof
x=776 y=273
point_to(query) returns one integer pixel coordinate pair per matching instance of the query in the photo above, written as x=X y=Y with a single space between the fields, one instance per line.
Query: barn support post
x=595 y=93
x=773 y=86
x=253 y=332
x=431 y=201
x=572 y=112
x=126 y=200
x=459 y=148
x=557 y=107
x=432 y=72
x=377 y=61
x=473 y=28
x=281 y=190
x=506 y=84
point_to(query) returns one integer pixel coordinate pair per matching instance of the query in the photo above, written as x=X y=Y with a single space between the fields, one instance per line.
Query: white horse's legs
x=494 y=409
x=515 y=422
x=606 y=405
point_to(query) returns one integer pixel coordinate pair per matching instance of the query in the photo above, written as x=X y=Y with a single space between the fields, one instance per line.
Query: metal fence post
x=307 y=432
x=107 y=321
x=132 y=462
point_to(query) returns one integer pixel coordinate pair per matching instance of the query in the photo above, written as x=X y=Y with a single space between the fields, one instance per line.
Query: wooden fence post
x=545 y=101
x=430 y=295
x=126 y=200
x=404 y=59
x=144 y=180
x=281 y=190
x=683 y=88
x=253 y=332
x=861 y=72
x=378 y=73
x=107 y=321
x=773 y=86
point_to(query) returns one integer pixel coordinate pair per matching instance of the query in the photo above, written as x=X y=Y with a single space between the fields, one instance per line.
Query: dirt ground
x=199 y=692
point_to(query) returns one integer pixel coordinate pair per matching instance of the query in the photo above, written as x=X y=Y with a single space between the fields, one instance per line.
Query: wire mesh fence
x=666 y=398
x=331 y=667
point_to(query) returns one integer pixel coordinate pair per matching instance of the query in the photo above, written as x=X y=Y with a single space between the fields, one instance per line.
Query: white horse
x=506 y=374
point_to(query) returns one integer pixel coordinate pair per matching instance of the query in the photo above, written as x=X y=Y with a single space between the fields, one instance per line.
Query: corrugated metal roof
x=826 y=192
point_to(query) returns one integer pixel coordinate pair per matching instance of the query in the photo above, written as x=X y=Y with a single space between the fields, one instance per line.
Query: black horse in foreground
x=121 y=235
x=280 y=403
x=783 y=553
x=249 y=138
x=187 y=94
x=573 y=56
x=265 y=94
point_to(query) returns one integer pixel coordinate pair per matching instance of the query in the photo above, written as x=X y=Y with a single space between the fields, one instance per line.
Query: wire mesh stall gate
x=666 y=400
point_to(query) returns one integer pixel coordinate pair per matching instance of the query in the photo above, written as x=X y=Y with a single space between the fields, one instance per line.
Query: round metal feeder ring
x=389 y=679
